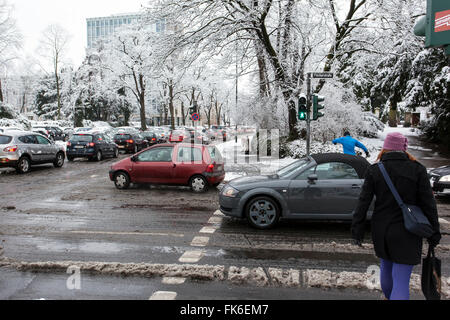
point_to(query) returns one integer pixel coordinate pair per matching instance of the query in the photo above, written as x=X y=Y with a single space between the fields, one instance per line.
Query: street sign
x=322 y=75
x=195 y=117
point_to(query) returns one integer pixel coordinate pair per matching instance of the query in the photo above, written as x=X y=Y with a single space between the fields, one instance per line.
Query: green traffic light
x=302 y=108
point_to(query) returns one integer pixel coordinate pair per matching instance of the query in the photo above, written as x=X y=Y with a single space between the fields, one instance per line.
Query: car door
x=46 y=149
x=335 y=192
x=188 y=162
x=154 y=166
x=30 y=145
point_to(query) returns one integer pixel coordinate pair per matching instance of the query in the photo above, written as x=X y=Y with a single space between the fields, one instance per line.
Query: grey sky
x=33 y=16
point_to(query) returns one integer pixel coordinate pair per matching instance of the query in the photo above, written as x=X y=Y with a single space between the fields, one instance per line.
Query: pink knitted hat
x=395 y=141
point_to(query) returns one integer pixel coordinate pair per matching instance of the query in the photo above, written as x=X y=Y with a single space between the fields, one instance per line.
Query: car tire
x=262 y=213
x=59 y=161
x=122 y=180
x=98 y=156
x=198 y=184
x=23 y=165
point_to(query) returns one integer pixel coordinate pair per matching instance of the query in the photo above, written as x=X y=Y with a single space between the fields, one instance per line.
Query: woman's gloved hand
x=434 y=239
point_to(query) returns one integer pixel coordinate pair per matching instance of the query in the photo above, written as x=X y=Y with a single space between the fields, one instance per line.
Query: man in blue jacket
x=350 y=143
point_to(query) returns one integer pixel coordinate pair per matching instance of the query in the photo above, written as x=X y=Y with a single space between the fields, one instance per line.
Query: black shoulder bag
x=415 y=220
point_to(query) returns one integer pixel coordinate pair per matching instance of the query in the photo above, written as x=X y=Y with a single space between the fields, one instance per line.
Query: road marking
x=94 y=176
x=442 y=220
x=200 y=241
x=191 y=256
x=163 y=295
x=208 y=230
x=215 y=220
x=130 y=233
x=218 y=213
x=173 y=280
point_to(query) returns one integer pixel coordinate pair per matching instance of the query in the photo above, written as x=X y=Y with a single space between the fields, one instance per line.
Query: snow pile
x=10 y=118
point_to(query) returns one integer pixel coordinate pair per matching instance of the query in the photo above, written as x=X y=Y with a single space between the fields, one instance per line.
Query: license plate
x=121 y=147
x=79 y=147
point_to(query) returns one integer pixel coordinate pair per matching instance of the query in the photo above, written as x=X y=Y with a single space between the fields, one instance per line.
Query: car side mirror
x=312 y=178
x=134 y=159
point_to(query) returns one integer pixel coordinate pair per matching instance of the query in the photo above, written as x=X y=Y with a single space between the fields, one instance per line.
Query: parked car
x=323 y=186
x=22 y=149
x=91 y=145
x=54 y=133
x=182 y=164
x=130 y=142
x=440 y=179
x=150 y=137
x=177 y=136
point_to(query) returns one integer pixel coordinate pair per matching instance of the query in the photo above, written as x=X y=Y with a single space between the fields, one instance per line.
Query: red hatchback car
x=194 y=165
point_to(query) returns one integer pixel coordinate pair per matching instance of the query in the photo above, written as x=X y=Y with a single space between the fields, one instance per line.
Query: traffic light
x=435 y=26
x=316 y=106
x=302 y=108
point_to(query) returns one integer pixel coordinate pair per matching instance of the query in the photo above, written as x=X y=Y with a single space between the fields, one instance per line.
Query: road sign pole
x=308 y=117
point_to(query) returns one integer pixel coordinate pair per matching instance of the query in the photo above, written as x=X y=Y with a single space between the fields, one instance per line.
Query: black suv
x=94 y=146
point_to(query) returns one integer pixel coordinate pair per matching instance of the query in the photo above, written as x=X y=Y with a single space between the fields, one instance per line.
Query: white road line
x=163 y=295
x=191 y=256
x=218 y=213
x=130 y=233
x=208 y=230
x=200 y=241
x=173 y=280
x=215 y=220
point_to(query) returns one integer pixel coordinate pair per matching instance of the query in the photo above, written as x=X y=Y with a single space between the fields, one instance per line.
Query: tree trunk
x=171 y=108
x=142 y=102
x=58 y=94
x=182 y=113
x=1 y=91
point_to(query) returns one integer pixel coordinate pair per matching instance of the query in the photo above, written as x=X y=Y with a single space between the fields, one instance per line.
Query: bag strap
x=390 y=185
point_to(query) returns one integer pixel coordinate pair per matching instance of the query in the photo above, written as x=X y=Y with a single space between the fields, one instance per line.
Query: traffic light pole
x=308 y=115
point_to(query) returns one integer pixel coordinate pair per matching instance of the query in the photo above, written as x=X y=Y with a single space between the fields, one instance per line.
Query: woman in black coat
x=398 y=249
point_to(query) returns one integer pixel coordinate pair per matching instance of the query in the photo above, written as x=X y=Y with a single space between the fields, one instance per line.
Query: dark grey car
x=323 y=186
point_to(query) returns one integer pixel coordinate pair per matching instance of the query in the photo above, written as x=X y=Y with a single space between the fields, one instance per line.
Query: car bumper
x=230 y=206
x=80 y=153
x=111 y=174
x=8 y=162
x=127 y=147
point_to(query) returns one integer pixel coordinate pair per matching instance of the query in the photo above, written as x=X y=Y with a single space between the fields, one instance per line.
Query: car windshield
x=296 y=166
x=5 y=139
x=122 y=136
x=81 y=138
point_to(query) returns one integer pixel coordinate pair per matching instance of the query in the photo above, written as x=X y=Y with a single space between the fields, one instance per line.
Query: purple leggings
x=395 y=280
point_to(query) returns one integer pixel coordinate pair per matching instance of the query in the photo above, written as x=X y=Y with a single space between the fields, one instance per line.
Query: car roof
x=359 y=163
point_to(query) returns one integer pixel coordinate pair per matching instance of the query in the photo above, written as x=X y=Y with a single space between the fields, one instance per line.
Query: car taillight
x=68 y=143
x=130 y=141
x=153 y=139
x=10 y=149
x=91 y=144
x=210 y=168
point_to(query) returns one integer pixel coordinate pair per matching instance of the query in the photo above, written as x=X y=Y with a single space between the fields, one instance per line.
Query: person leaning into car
x=398 y=249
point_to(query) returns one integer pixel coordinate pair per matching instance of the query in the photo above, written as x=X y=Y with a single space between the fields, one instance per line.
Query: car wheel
x=116 y=153
x=198 y=184
x=122 y=180
x=262 y=213
x=99 y=156
x=59 y=161
x=23 y=165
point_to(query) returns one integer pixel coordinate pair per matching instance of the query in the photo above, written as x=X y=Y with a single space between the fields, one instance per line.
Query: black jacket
x=390 y=238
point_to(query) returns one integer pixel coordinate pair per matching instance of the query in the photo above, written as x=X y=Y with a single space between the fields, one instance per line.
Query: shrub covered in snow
x=10 y=118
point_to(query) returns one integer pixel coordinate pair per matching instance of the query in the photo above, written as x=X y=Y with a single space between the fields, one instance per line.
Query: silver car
x=22 y=149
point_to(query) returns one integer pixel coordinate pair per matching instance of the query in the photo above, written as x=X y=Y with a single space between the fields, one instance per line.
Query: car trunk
x=123 y=140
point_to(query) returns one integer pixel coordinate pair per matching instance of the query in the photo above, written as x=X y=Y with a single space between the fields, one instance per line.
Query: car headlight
x=229 y=191
x=445 y=178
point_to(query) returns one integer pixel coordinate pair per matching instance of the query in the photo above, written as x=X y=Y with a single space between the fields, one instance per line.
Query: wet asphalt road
x=76 y=214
